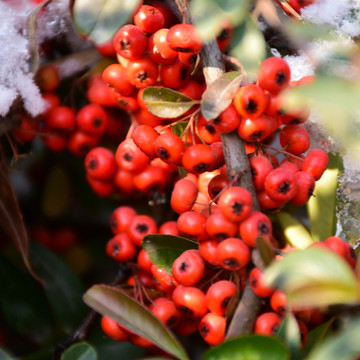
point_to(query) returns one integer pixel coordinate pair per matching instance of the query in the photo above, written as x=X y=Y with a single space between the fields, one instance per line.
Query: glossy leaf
x=164 y=249
x=290 y=333
x=249 y=46
x=266 y=250
x=210 y=15
x=62 y=288
x=179 y=128
x=219 y=94
x=167 y=103
x=249 y=347
x=344 y=345
x=113 y=302
x=294 y=231
x=314 y=277
x=12 y=222
x=99 y=20
x=322 y=206
x=80 y=351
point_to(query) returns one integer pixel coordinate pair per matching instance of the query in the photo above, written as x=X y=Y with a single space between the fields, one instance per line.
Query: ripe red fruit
x=80 y=143
x=256 y=129
x=142 y=72
x=129 y=157
x=144 y=137
x=218 y=296
x=183 y=195
x=260 y=168
x=198 y=158
x=175 y=75
x=61 y=118
x=192 y=225
x=92 y=119
x=233 y=254
x=294 y=139
x=162 y=47
x=100 y=163
x=184 y=38
x=188 y=269
x=140 y=226
x=130 y=42
x=274 y=75
x=256 y=225
x=152 y=179
x=342 y=248
x=102 y=188
x=315 y=163
x=47 y=77
x=250 y=101
x=149 y=19
x=219 y=227
x=56 y=141
x=256 y=281
x=27 y=130
x=208 y=251
x=112 y=329
x=169 y=228
x=163 y=280
x=227 y=121
x=124 y=181
x=121 y=218
x=169 y=148
x=217 y=184
x=144 y=262
x=165 y=310
x=121 y=248
x=267 y=324
x=190 y=301
x=278 y=302
x=115 y=76
x=212 y=328
x=281 y=185
x=235 y=203
x=306 y=186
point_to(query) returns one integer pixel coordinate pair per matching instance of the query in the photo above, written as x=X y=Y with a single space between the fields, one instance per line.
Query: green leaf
x=132 y=315
x=294 y=231
x=80 y=351
x=344 y=345
x=249 y=46
x=322 y=206
x=266 y=250
x=210 y=15
x=23 y=307
x=314 y=277
x=179 y=128
x=99 y=20
x=62 y=288
x=164 y=249
x=219 y=94
x=290 y=333
x=249 y=347
x=167 y=103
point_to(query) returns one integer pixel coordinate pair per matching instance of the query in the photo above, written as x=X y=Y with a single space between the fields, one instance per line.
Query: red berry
x=212 y=328
x=184 y=38
x=121 y=248
x=140 y=226
x=294 y=139
x=100 y=163
x=142 y=72
x=92 y=119
x=188 y=269
x=267 y=324
x=218 y=296
x=149 y=19
x=233 y=254
x=121 y=218
x=281 y=185
x=190 y=301
x=315 y=163
x=183 y=195
x=256 y=281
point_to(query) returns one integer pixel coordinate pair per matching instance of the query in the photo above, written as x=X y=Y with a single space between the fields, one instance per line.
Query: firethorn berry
x=163 y=280
x=233 y=254
x=218 y=296
x=212 y=328
x=315 y=163
x=142 y=72
x=224 y=38
x=175 y=75
x=140 y=341
x=61 y=118
x=144 y=137
x=295 y=117
x=267 y=324
x=260 y=168
x=218 y=151
x=144 y=262
x=56 y=141
x=187 y=326
x=169 y=148
x=256 y=129
x=166 y=311
x=188 y=59
x=121 y=248
x=112 y=329
x=27 y=130
x=128 y=103
x=274 y=75
x=145 y=278
x=190 y=301
x=256 y=281
x=192 y=225
x=235 y=203
x=115 y=76
x=254 y=226
x=306 y=186
x=140 y=226
x=124 y=181
x=100 y=93
x=184 y=38
x=100 y=163
x=183 y=195
x=192 y=89
x=207 y=131
x=130 y=42
x=145 y=117
x=154 y=53
x=129 y=157
x=169 y=228
x=294 y=139
x=217 y=184
x=208 y=251
x=278 y=302
x=289 y=165
x=198 y=158
x=250 y=101
x=92 y=119
x=151 y=179
x=149 y=19
x=281 y=184
x=267 y=204
x=52 y=101
x=80 y=143
x=162 y=47
x=219 y=227
x=227 y=121
x=47 y=77
x=188 y=269
x=342 y=248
